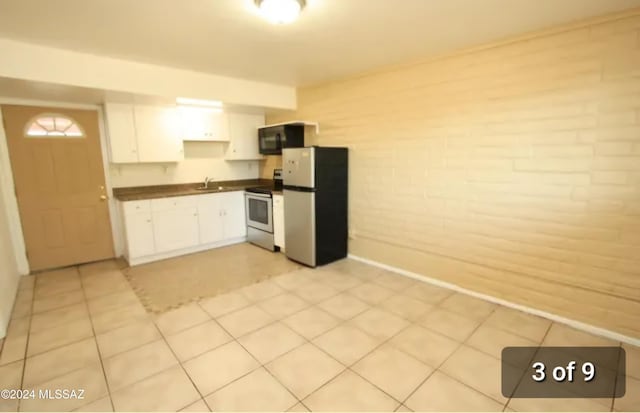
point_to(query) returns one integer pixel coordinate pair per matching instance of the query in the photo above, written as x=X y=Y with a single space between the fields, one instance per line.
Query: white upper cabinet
x=158 y=133
x=143 y=133
x=203 y=124
x=243 y=132
x=122 y=133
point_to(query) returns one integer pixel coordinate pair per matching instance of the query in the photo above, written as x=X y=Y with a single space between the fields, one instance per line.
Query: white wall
x=201 y=159
x=21 y=60
x=9 y=274
x=10 y=205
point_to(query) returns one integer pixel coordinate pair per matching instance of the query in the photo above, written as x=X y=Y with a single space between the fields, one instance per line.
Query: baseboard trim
x=172 y=254
x=550 y=316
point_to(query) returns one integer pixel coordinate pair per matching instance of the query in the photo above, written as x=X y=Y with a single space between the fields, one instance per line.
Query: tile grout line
x=95 y=339
x=615 y=383
x=236 y=339
x=280 y=320
x=261 y=365
x=24 y=360
x=180 y=363
x=346 y=321
x=522 y=377
x=460 y=344
x=382 y=343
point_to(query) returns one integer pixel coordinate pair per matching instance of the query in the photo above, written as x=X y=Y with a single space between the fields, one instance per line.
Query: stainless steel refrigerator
x=315 y=204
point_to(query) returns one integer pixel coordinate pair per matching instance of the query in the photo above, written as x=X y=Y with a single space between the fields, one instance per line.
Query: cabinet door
x=202 y=124
x=175 y=229
x=235 y=220
x=278 y=220
x=158 y=134
x=210 y=218
x=122 y=132
x=139 y=233
x=243 y=133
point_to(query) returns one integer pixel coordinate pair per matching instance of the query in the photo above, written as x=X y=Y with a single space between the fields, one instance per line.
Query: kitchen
x=319 y=214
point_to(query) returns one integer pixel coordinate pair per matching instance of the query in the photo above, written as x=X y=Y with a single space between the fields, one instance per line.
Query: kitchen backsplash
x=202 y=159
x=269 y=164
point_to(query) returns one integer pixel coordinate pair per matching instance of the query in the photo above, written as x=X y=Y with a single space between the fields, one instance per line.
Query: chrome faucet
x=206 y=182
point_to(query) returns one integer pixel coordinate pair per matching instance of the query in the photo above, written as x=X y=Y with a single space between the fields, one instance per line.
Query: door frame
x=6 y=175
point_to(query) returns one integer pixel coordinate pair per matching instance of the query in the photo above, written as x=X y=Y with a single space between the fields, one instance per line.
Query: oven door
x=259 y=209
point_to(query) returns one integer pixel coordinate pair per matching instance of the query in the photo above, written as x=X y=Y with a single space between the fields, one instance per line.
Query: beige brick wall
x=512 y=170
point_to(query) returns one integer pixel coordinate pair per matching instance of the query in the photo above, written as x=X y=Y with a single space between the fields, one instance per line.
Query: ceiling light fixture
x=199 y=102
x=280 y=11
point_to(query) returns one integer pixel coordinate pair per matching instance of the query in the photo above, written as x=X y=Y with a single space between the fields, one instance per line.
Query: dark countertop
x=138 y=193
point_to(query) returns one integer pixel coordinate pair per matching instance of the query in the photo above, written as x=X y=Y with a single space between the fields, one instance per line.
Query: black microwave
x=273 y=139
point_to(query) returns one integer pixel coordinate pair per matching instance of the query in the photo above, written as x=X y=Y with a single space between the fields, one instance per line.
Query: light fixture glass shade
x=280 y=11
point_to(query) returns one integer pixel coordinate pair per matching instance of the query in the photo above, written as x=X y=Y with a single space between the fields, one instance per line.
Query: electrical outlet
x=352 y=233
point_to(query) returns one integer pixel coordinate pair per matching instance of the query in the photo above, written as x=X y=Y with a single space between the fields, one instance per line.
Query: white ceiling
x=332 y=39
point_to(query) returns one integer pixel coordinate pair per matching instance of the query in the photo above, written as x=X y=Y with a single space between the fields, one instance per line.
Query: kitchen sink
x=207 y=188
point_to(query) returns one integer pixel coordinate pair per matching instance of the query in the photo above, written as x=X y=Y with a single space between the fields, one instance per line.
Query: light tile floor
x=345 y=337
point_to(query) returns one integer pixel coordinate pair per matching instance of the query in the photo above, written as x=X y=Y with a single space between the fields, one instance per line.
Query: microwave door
x=271 y=143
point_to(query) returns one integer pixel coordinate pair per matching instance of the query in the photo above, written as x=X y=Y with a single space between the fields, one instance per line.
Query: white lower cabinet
x=221 y=216
x=168 y=227
x=211 y=221
x=235 y=219
x=139 y=233
x=175 y=229
x=278 y=221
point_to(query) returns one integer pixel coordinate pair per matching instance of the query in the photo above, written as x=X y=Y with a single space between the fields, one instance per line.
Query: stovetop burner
x=267 y=189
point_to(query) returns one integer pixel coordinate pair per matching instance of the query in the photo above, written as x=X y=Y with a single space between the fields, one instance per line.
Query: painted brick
x=553 y=165
x=618 y=118
x=617 y=163
x=574 y=151
x=614 y=148
x=612 y=178
x=505 y=170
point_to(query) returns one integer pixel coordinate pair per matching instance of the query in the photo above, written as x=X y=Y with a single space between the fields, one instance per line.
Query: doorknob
x=103 y=197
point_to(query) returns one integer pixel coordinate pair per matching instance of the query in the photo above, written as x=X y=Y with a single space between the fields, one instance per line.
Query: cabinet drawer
x=164 y=204
x=131 y=207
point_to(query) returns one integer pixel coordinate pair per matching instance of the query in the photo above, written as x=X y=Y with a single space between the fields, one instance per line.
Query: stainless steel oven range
x=259 y=207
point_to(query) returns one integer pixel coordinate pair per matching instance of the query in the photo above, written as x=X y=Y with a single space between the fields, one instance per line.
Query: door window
x=53 y=126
